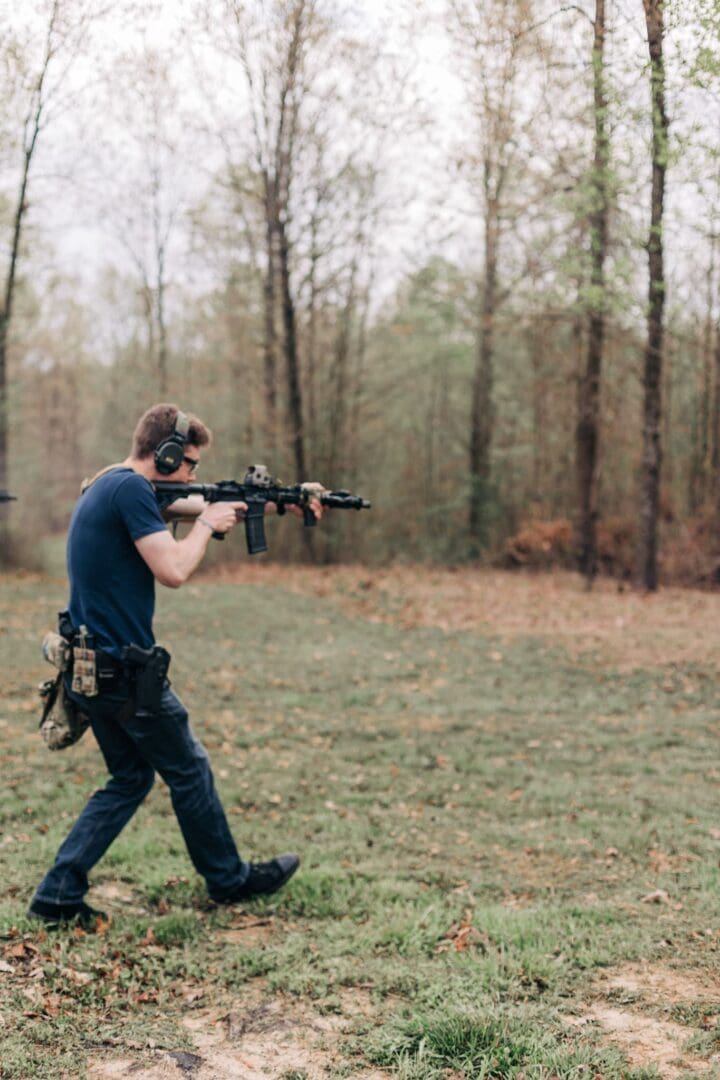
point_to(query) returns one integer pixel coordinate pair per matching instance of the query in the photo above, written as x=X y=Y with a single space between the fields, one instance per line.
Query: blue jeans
x=135 y=747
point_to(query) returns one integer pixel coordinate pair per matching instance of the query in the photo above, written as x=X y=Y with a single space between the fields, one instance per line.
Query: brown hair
x=158 y=423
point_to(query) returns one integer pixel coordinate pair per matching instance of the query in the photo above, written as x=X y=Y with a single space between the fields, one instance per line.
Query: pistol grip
x=309 y=517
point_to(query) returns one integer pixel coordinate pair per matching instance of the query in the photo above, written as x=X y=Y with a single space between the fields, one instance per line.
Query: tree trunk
x=652 y=381
x=292 y=360
x=482 y=410
x=715 y=417
x=339 y=378
x=536 y=344
x=32 y=127
x=705 y=483
x=162 y=337
x=162 y=344
x=587 y=430
x=706 y=424
x=33 y=124
x=269 y=336
x=4 y=321
x=148 y=301
x=311 y=337
x=432 y=434
x=338 y=440
x=356 y=388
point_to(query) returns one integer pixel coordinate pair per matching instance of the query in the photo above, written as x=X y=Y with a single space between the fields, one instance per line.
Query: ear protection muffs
x=170 y=452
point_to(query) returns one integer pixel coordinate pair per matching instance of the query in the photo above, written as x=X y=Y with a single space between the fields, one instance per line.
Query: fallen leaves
x=461 y=936
x=79 y=978
x=23 y=950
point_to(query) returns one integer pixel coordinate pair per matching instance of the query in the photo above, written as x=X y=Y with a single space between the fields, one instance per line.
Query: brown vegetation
x=689 y=556
x=627 y=629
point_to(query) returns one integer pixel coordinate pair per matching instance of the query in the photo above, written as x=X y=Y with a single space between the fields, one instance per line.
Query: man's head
x=158 y=425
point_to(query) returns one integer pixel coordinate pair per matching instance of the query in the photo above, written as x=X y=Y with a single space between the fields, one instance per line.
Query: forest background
x=460 y=256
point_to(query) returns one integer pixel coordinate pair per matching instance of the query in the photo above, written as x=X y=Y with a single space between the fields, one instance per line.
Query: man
x=118 y=546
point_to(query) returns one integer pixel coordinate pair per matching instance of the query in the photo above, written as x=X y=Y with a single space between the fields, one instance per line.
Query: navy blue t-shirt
x=112 y=589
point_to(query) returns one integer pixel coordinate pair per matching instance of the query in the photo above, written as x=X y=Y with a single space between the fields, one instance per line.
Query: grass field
x=506 y=799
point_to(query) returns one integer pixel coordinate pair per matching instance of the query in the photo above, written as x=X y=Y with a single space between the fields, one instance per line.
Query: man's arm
x=174 y=561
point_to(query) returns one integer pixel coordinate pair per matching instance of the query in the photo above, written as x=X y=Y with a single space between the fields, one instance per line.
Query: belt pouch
x=61 y=723
x=84 y=672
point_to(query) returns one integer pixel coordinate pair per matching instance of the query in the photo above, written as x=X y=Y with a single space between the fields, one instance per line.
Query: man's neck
x=144 y=466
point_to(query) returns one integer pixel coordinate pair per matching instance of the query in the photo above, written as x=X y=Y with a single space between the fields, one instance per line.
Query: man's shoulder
x=117 y=477
x=121 y=496
x=126 y=477
x=118 y=490
x=133 y=499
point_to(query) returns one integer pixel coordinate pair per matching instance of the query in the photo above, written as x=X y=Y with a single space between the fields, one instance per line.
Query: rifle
x=5 y=496
x=257 y=488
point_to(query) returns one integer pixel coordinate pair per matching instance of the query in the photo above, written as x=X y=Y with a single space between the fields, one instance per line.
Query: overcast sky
x=74 y=203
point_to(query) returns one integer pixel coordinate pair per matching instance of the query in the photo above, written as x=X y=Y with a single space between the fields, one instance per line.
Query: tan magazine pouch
x=84 y=668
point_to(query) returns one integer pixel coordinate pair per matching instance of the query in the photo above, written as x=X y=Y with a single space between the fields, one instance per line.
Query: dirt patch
x=627 y=629
x=647 y=1041
x=249 y=931
x=118 y=895
x=165 y=1069
x=644 y=1038
x=266 y=1041
x=533 y=868
x=661 y=986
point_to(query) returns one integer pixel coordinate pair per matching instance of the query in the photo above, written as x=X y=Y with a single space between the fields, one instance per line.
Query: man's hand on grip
x=314 y=490
x=223 y=516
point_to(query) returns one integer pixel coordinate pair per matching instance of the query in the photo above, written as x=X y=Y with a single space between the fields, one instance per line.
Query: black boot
x=264 y=878
x=54 y=915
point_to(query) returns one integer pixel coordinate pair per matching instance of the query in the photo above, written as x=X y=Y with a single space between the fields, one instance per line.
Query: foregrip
x=255 y=527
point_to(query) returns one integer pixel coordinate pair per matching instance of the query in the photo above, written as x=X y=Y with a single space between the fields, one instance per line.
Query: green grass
x=488 y=1044
x=439 y=799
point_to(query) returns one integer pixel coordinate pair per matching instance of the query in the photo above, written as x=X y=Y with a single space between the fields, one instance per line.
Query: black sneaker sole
x=248 y=893
x=61 y=918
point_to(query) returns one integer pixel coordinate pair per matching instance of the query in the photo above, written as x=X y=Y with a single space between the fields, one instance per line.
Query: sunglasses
x=192 y=462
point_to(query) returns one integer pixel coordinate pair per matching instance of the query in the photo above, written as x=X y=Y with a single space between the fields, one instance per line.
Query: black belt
x=109 y=667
